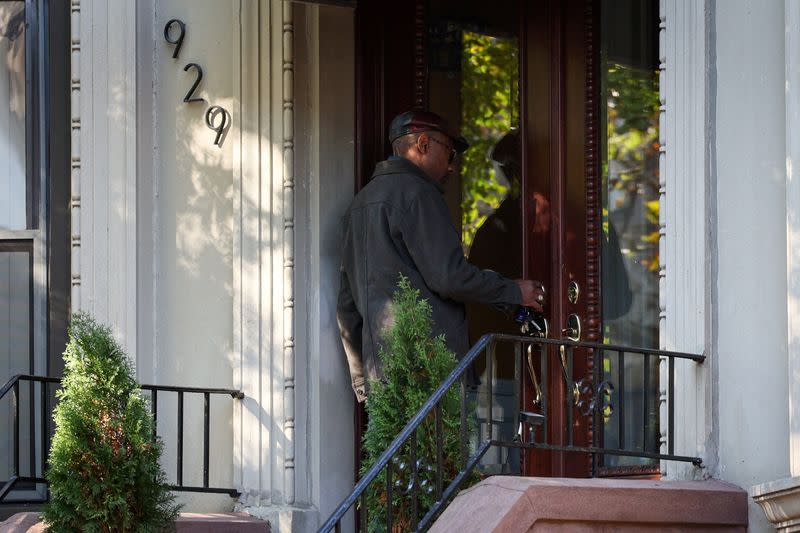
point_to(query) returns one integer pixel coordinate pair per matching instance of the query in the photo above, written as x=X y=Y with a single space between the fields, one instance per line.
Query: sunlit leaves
x=490 y=109
x=631 y=169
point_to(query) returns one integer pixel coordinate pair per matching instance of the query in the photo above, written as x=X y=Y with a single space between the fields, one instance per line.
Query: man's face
x=440 y=156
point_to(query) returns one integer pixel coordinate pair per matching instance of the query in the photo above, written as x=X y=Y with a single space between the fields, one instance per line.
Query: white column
x=793 y=225
x=287 y=133
x=266 y=450
x=780 y=499
x=103 y=84
x=683 y=296
x=325 y=80
x=292 y=186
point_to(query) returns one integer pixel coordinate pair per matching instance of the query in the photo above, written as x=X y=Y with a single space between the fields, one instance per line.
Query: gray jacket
x=399 y=224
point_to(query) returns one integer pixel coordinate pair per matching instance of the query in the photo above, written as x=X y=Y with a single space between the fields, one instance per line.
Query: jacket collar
x=401 y=165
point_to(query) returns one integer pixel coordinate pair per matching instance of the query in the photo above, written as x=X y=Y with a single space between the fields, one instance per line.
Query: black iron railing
x=39 y=428
x=588 y=398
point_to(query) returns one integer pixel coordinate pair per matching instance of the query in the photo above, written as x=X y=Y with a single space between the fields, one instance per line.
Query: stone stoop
x=221 y=523
x=558 y=505
x=187 y=523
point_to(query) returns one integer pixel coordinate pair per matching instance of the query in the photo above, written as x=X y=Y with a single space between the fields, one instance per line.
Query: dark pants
x=359 y=428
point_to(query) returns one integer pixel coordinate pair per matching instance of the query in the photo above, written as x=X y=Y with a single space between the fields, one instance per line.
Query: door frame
x=566 y=34
x=560 y=159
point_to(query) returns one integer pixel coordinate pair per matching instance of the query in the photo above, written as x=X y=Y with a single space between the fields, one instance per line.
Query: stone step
x=187 y=523
x=558 y=505
x=221 y=523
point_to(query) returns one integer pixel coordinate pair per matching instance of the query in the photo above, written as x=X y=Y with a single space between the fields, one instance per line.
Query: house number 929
x=219 y=126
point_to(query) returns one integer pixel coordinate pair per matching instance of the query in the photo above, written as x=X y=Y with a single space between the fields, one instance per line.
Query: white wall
x=185 y=214
x=103 y=159
x=748 y=166
x=326 y=174
x=684 y=196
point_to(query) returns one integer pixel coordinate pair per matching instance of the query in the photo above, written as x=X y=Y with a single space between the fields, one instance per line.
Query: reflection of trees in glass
x=631 y=185
x=490 y=96
x=632 y=165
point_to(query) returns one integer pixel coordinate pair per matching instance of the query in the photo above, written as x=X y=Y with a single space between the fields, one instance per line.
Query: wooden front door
x=528 y=85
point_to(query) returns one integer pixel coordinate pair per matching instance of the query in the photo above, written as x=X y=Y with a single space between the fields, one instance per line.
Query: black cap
x=419 y=121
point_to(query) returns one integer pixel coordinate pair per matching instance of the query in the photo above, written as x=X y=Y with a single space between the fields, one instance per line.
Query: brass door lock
x=573 y=292
x=573 y=329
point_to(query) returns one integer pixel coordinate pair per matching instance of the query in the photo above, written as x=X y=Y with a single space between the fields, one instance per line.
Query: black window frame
x=47 y=235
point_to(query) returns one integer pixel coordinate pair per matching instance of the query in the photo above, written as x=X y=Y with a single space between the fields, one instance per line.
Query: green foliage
x=632 y=129
x=490 y=96
x=414 y=364
x=104 y=473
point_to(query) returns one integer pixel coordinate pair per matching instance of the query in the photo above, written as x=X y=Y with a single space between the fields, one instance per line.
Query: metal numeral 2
x=188 y=98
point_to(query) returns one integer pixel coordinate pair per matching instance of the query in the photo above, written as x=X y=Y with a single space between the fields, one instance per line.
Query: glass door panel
x=474 y=82
x=14 y=186
x=630 y=213
x=16 y=314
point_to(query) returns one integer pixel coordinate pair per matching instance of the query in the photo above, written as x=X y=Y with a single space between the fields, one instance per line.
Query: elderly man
x=399 y=224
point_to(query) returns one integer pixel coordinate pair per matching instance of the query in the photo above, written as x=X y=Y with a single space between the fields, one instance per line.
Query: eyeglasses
x=453 y=152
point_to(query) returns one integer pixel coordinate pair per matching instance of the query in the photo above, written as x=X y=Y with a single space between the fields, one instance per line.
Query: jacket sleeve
x=435 y=247
x=350 y=323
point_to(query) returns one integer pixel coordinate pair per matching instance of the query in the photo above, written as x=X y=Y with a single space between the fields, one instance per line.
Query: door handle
x=573 y=329
x=531 y=368
x=532 y=324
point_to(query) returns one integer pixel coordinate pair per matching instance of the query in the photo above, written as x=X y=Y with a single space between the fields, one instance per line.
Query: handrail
x=13 y=385
x=411 y=426
x=598 y=346
x=27 y=377
x=236 y=394
x=334 y=520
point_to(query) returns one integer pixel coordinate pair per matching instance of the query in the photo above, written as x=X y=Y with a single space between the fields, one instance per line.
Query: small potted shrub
x=414 y=365
x=104 y=471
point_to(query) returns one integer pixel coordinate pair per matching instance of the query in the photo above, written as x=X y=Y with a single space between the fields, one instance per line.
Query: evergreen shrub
x=414 y=365
x=104 y=471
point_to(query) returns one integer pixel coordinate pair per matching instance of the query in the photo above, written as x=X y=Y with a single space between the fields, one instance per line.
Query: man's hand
x=533 y=293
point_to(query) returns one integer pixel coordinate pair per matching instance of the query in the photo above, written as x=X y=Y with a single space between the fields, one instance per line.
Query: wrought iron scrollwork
x=589 y=398
x=586 y=396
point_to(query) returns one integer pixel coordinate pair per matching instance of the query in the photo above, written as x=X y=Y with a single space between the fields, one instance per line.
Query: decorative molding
x=780 y=499
x=75 y=153
x=663 y=364
x=264 y=261
x=592 y=186
x=420 y=65
x=103 y=164
x=682 y=228
x=288 y=250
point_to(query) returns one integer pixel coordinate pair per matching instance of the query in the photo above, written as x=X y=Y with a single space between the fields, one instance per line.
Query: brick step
x=187 y=523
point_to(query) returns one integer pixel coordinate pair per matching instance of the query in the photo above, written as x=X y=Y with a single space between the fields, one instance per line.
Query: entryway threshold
x=549 y=505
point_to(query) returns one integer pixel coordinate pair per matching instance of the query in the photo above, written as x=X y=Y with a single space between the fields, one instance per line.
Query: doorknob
x=573 y=329
x=531 y=323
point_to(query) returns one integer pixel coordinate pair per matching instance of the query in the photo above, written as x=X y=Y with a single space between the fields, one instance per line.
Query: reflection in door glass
x=14 y=197
x=473 y=80
x=490 y=122
x=16 y=287
x=630 y=194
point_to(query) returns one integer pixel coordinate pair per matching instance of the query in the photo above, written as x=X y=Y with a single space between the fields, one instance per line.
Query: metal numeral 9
x=211 y=115
x=181 y=34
